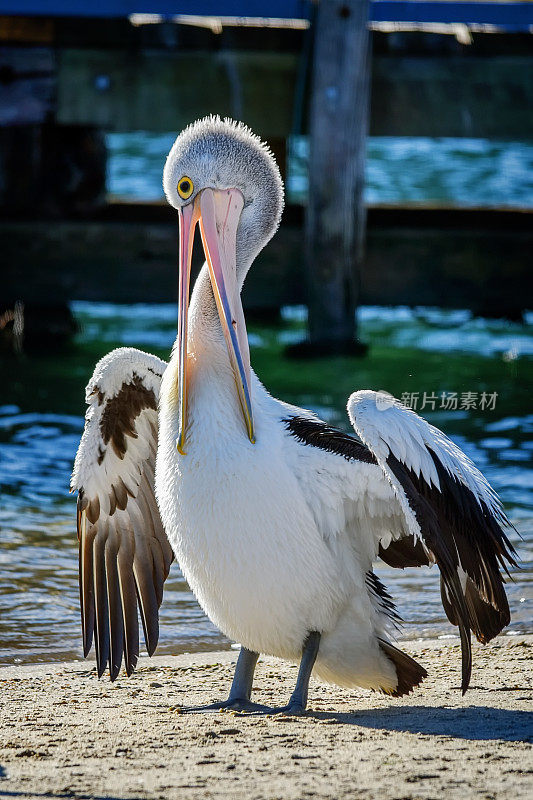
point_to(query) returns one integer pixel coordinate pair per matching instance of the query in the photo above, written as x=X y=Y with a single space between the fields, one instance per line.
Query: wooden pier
x=433 y=69
x=127 y=253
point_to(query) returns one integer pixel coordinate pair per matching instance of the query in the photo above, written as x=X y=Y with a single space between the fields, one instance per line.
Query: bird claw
x=236 y=706
x=245 y=708
x=290 y=710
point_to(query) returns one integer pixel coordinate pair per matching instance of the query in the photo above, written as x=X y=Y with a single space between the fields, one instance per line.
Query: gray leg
x=241 y=688
x=298 y=702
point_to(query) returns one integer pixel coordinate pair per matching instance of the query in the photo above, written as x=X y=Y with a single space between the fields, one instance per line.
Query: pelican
x=275 y=517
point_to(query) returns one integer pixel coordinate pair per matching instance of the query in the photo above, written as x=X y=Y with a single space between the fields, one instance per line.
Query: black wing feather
x=467 y=543
x=459 y=532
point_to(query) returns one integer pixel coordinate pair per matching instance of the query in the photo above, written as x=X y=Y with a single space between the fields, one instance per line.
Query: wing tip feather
x=409 y=672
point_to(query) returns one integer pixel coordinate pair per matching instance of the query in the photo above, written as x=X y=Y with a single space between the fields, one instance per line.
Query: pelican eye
x=185 y=187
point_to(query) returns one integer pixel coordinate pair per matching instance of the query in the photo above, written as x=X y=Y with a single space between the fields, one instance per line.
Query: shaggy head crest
x=223 y=154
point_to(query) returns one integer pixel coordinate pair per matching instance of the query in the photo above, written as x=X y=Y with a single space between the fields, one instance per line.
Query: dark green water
x=431 y=351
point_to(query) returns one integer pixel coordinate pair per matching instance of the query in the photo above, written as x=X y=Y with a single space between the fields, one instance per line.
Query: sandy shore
x=64 y=733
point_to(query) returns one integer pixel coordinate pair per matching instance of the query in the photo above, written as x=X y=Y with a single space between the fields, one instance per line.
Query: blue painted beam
x=283 y=9
x=505 y=15
x=510 y=16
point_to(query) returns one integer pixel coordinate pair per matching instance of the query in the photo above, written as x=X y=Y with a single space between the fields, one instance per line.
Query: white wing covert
x=124 y=554
x=453 y=516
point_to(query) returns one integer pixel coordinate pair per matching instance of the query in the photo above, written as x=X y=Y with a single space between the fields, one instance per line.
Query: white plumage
x=276 y=537
x=262 y=531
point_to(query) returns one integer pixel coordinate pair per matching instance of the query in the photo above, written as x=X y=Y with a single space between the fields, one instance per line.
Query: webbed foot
x=237 y=705
x=292 y=709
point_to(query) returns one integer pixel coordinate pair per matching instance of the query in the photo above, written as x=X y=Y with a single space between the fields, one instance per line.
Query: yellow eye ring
x=185 y=187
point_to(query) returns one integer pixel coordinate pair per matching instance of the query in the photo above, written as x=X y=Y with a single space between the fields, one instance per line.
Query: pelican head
x=220 y=175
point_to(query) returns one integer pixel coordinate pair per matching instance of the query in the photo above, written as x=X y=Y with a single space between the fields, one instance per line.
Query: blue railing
x=508 y=16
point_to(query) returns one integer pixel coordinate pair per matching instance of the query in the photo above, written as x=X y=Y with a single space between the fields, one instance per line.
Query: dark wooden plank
x=19 y=62
x=48 y=170
x=335 y=218
x=26 y=102
x=444 y=257
x=27 y=85
x=26 y=29
x=489 y=97
x=158 y=91
x=411 y=95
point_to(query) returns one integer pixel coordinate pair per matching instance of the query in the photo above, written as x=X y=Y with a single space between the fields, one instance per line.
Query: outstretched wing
x=453 y=516
x=124 y=554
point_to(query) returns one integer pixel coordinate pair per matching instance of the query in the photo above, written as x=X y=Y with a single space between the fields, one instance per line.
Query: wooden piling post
x=336 y=217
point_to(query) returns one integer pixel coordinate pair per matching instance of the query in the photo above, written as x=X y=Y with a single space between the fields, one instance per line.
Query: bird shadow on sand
x=477 y=723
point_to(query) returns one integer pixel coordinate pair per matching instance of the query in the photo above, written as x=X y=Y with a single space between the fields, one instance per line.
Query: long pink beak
x=218 y=211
